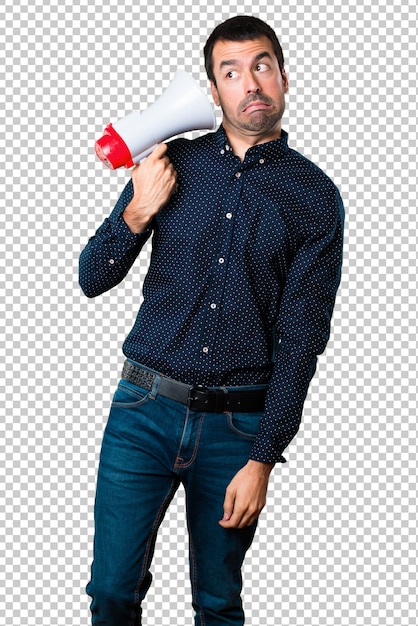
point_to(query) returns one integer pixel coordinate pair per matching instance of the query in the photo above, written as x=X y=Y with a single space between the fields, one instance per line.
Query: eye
x=232 y=74
x=262 y=67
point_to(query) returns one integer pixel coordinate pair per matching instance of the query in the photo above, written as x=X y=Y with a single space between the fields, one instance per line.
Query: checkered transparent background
x=337 y=540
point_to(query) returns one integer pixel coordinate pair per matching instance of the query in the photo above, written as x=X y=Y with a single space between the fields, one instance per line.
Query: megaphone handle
x=141 y=157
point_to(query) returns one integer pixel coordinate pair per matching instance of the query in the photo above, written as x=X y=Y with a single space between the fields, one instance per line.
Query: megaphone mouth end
x=101 y=155
x=111 y=149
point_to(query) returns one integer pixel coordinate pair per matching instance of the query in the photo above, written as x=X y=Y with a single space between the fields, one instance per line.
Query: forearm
x=302 y=332
x=108 y=257
x=288 y=387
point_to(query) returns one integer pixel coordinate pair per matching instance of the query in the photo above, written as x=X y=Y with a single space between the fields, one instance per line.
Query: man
x=246 y=258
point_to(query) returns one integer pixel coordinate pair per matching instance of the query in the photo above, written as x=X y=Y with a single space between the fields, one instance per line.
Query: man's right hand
x=154 y=181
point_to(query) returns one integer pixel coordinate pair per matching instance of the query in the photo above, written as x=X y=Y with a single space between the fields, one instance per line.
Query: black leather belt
x=211 y=400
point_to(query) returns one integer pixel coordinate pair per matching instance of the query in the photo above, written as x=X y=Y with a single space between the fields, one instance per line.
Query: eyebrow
x=229 y=62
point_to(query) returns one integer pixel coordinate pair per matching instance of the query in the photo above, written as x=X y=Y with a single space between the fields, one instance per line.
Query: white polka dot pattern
x=245 y=265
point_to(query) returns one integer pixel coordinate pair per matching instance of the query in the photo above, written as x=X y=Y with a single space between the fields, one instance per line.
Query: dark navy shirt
x=245 y=265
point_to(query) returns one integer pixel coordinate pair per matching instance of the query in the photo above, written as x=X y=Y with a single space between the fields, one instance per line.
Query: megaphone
x=182 y=107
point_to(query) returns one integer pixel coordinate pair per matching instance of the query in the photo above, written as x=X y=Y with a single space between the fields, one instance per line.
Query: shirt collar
x=271 y=150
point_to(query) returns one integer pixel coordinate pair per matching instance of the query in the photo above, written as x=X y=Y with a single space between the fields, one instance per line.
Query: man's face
x=249 y=88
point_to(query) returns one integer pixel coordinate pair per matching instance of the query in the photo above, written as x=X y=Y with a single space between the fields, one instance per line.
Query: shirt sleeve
x=111 y=252
x=303 y=328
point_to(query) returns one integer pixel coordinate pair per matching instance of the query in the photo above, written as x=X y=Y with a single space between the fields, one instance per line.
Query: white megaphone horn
x=182 y=107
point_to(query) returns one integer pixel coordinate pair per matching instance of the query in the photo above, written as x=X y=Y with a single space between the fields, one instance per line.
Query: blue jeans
x=152 y=444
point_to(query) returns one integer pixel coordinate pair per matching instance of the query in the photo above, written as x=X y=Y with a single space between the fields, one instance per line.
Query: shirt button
x=261 y=161
x=221 y=260
x=111 y=261
x=213 y=305
x=228 y=216
x=238 y=174
x=205 y=349
x=222 y=151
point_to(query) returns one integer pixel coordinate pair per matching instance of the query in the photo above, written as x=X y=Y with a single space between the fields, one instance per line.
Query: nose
x=252 y=85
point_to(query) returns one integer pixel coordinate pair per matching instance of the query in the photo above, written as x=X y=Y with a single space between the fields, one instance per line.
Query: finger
x=159 y=151
x=228 y=505
x=242 y=515
x=135 y=173
x=238 y=520
x=234 y=518
x=234 y=522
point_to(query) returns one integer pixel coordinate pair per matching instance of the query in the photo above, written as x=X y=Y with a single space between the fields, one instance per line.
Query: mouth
x=256 y=106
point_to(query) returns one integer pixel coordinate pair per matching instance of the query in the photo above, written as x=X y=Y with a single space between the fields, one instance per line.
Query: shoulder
x=182 y=149
x=195 y=159
x=314 y=188
x=308 y=198
x=308 y=174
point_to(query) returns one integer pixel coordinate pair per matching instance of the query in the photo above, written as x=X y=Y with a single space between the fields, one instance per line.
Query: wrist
x=263 y=469
x=136 y=224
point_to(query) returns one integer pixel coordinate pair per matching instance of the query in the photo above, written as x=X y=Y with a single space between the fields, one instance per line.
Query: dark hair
x=240 y=28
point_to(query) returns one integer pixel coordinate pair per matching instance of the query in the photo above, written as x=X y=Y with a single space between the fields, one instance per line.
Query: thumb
x=159 y=151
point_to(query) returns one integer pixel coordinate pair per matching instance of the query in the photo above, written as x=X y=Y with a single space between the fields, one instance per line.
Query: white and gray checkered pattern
x=337 y=541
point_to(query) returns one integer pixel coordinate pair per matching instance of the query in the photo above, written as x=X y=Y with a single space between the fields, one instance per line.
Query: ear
x=215 y=94
x=285 y=81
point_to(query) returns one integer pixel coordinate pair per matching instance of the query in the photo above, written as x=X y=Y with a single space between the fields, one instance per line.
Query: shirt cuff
x=265 y=451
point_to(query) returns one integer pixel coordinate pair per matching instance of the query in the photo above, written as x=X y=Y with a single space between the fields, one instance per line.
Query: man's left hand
x=246 y=494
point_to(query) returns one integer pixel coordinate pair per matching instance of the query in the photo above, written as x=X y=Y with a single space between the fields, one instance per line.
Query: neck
x=240 y=142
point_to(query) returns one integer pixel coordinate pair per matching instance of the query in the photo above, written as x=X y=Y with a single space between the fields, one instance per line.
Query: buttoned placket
x=222 y=253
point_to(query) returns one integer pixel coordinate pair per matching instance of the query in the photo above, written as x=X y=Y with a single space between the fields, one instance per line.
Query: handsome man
x=246 y=258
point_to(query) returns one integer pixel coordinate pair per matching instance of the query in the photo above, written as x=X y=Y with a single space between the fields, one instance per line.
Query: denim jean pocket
x=244 y=424
x=129 y=396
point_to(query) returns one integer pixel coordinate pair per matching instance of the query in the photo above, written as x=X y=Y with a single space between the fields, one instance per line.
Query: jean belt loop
x=154 y=390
